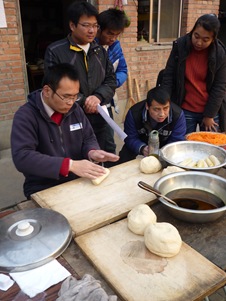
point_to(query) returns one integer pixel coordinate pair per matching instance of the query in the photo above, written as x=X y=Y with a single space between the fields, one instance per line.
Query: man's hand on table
x=90 y=170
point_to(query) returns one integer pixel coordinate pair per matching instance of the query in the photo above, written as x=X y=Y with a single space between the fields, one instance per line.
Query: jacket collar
x=75 y=47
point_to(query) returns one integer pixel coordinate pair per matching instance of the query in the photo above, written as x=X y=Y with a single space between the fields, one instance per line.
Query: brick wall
x=144 y=64
x=12 y=77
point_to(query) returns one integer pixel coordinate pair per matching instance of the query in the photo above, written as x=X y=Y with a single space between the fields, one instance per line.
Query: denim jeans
x=193 y=119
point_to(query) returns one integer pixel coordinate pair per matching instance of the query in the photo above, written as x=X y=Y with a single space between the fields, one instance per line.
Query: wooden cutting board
x=88 y=207
x=138 y=275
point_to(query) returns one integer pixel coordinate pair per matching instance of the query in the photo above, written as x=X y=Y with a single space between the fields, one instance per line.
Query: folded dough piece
x=98 y=180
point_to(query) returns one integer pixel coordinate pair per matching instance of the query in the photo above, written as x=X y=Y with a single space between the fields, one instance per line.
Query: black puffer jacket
x=97 y=76
x=174 y=77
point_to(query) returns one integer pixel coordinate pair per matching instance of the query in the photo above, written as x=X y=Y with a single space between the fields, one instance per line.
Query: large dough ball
x=139 y=217
x=171 y=169
x=162 y=239
x=150 y=164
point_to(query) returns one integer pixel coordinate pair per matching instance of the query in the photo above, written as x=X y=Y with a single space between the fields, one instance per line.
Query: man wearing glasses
x=96 y=73
x=52 y=140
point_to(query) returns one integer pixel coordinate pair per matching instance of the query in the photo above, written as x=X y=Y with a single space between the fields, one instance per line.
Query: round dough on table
x=139 y=217
x=150 y=164
x=162 y=239
x=171 y=169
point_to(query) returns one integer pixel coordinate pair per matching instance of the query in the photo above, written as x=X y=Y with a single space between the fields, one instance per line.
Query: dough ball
x=150 y=164
x=162 y=239
x=139 y=217
x=170 y=169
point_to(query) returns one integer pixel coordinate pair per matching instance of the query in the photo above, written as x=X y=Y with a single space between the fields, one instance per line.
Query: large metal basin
x=176 y=152
x=196 y=180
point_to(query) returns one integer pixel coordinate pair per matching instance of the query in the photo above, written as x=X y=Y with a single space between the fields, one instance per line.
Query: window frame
x=167 y=40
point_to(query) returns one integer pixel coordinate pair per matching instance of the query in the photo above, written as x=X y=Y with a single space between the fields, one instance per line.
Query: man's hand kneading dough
x=90 y=170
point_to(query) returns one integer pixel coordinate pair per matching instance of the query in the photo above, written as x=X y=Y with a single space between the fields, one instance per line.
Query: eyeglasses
x=66 y=99
x=90 y=26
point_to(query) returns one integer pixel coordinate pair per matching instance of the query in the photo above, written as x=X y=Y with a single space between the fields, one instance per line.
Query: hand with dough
x=100 y=179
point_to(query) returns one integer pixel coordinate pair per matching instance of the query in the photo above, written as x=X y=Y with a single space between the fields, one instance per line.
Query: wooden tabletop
x=88 y=207
x=137 y=274
x=209 y=239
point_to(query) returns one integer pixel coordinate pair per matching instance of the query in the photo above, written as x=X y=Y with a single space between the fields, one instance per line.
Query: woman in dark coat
x=195 y=76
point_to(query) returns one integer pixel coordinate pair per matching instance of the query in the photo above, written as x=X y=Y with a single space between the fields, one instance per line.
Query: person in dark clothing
x=112 y=23
x=195 y=76
x=52 y=140
x=96 y=73
x=157 y=112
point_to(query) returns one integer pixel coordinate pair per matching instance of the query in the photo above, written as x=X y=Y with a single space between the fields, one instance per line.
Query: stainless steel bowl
x=196 y=180
x=174 y=153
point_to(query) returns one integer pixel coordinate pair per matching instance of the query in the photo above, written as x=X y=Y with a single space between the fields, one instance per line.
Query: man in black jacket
x=97 y=77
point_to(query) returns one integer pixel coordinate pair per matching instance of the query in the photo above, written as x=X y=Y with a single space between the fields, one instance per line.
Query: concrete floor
x=11 y=184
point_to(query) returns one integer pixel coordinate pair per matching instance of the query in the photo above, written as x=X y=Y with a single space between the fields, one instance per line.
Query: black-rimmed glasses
x=66 y=99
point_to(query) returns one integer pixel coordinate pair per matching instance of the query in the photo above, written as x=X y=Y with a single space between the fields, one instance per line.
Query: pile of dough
x=162 y=239
x=139 y=217
x=150 y=164
x=170 y=169
x=209 y=161
x=98 y=180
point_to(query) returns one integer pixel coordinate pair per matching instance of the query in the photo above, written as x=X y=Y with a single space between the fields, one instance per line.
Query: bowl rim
x=192 y=142
x=182 y=173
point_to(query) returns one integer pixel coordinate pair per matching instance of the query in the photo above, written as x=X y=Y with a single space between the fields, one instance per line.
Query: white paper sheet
x=37 y=280
x=122 y=135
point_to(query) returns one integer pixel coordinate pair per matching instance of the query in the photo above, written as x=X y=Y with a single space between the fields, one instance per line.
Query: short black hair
x=158 y=94
x=55 y=74
x=78 y=9
x=209 y=22
x=114 y=19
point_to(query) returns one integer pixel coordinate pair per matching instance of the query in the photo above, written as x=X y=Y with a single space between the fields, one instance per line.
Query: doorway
x=43 y=22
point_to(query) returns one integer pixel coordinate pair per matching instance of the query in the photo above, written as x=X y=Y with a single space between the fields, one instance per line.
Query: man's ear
x=71 y=25
x=46 y=90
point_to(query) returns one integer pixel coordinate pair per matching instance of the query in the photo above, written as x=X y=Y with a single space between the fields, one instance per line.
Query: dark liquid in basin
x=195 y=199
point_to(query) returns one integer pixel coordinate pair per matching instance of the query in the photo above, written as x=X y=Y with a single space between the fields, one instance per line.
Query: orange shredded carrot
x=209 y=137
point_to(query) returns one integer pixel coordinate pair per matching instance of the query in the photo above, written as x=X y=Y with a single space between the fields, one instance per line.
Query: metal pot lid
x=32 y=237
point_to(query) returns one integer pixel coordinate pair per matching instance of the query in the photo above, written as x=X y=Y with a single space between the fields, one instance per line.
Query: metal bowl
x=174 y=153
x=206 y=182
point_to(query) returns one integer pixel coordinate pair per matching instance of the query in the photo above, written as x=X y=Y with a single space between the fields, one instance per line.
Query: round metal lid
x=30 y=238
